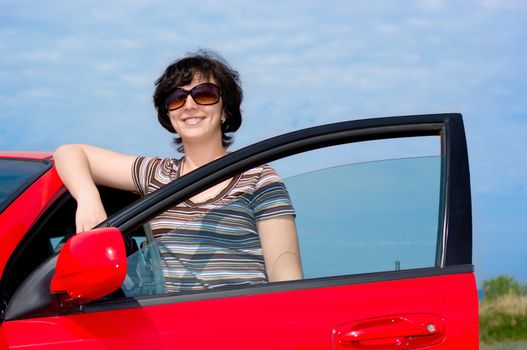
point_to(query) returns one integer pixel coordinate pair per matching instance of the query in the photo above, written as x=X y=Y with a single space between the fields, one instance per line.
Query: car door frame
x=456 y=212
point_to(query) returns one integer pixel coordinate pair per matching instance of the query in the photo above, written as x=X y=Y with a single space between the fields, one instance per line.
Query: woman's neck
x=199 y=155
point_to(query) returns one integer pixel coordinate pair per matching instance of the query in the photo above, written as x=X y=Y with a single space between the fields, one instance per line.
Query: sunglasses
x=203 y=94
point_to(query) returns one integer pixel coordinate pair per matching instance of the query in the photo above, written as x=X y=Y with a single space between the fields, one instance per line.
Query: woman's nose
x=189 y=102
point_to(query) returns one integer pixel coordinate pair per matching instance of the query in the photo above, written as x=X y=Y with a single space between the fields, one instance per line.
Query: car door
x=383 y=214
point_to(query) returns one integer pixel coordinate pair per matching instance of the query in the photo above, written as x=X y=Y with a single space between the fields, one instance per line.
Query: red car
x=383 y=212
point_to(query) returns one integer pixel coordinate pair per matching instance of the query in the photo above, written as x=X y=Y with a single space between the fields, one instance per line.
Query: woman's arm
x=279 y=242
x=81 y=168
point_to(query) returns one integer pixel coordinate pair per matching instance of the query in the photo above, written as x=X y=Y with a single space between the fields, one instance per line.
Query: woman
x=239 y=232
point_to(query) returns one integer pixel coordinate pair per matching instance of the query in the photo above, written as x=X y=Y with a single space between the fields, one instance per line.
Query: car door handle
x=406 y=331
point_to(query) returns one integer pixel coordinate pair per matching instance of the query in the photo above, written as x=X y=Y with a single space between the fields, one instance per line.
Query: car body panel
x=25 y=155
x=300 y=319
x=17 y=219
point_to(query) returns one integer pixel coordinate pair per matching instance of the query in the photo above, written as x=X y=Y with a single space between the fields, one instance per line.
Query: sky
x=84 y=72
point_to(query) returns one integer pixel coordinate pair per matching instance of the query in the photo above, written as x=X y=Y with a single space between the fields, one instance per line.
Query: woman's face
x=198 y=123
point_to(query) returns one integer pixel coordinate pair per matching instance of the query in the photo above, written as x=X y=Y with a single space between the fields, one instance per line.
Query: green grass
x=505 y=345
x=503 y=321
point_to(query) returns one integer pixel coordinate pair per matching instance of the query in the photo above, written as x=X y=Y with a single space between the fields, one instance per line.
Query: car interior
x=52 y=230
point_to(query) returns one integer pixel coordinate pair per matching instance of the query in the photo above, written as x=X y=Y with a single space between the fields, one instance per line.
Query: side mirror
x=91 y=265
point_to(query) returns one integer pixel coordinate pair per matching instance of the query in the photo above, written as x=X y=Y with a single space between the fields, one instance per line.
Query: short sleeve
x=271 y=198
x=149 y=174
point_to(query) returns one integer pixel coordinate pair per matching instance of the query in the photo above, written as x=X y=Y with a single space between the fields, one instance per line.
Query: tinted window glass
x=368 y=217
x=144 y=273
x=15 y=175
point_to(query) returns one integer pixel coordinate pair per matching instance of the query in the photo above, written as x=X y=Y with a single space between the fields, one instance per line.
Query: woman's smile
x=193 y=120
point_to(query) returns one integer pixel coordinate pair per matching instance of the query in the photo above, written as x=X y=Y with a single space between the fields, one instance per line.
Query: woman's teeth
x=193 y=120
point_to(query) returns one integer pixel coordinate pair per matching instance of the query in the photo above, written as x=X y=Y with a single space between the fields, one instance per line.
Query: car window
x=360 y=208
x=15 y=176
x=368 y=217
x=144 y=274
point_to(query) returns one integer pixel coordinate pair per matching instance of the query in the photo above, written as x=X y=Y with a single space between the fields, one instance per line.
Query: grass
x=505 y=345
x=503 y=322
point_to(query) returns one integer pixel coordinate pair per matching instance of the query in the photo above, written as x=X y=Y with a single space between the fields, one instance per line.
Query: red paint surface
x=303 y=319
x=16 y=219
x=25 y=154
x=91 y=264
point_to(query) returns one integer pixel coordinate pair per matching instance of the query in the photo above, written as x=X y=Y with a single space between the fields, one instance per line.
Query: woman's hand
x=90 y=212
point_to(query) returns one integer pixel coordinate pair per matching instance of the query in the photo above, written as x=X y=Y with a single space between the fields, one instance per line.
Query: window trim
x=323 y=282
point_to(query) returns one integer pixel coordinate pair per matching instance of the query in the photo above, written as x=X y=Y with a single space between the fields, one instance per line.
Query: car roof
x=26 y=155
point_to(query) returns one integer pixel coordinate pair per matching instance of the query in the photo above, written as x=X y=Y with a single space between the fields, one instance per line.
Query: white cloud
x=431 y=4
x=492 y=5
x=39 y=93
x=41 y=56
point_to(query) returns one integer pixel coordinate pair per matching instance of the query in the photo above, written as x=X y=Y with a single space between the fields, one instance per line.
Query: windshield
x=15 y=176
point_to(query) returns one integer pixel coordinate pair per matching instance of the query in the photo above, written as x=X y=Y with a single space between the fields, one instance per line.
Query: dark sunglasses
x=203 y=94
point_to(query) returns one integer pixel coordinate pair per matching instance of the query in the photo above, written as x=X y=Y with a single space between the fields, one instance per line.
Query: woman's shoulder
x=260 y=175
x=158 y=166
x=260 y=170
x=157 y=161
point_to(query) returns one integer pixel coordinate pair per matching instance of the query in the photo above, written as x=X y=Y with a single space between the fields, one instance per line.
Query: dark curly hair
x=210 y=65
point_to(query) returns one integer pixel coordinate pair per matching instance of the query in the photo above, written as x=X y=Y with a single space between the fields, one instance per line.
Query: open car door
x=383 y=213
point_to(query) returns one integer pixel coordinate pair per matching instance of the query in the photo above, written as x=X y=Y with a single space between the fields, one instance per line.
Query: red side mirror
x=91 y=264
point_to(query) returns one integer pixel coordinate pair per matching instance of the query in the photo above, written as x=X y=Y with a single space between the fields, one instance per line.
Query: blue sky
x=84 y=72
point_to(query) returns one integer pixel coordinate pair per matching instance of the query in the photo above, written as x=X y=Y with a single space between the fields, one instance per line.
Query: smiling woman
x=198 y=99
x=211 y=83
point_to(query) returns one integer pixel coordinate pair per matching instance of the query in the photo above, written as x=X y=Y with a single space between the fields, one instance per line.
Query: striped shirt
x=214 y=243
